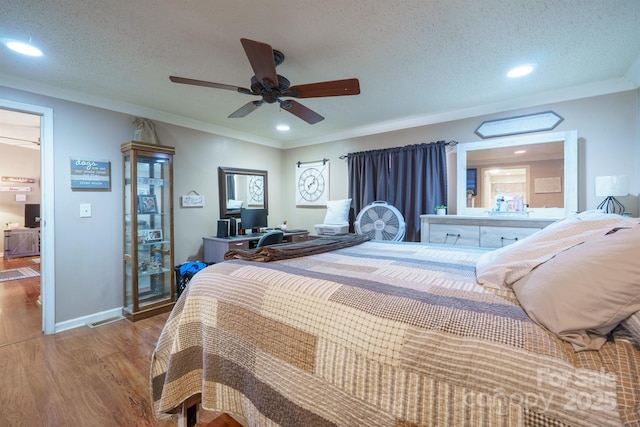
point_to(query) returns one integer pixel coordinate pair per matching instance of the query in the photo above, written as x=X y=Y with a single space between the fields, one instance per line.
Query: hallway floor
x=20 y=312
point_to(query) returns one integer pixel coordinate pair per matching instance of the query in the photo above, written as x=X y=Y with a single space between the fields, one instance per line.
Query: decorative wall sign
x=90 y=174
x=312 y=183
x=546 y=120
x=20 y=189
x=18 y=179
x=192 y=201
x=548 y=185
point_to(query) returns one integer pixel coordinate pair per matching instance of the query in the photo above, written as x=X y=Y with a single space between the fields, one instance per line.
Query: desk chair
x=271 y=238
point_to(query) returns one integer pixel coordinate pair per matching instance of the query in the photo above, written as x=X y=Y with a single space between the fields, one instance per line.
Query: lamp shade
x=615 y=185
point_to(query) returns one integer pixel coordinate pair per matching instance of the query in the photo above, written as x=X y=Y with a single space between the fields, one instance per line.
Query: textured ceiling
x=418 y=62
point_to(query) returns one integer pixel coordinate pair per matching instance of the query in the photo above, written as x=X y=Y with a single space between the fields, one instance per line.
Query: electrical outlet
x=85 y=210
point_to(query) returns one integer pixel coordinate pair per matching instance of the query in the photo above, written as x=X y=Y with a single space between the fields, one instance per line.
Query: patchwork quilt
x=380 y=334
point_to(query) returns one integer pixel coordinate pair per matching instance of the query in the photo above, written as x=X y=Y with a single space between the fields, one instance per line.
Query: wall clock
x=256 y=190
x=312 y=184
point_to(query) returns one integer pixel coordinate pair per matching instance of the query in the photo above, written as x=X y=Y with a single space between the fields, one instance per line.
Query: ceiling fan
x=271 y=86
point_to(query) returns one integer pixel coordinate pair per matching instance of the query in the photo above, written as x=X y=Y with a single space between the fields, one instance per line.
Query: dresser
x=216 y=247
x=21 y=242
x=480 y=231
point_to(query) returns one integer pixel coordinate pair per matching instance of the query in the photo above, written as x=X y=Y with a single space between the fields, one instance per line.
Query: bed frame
x=189 y=415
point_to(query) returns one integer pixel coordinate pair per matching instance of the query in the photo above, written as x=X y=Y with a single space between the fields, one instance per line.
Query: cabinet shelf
x=148 y=236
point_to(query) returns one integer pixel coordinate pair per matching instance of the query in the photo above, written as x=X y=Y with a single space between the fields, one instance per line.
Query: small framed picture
x=147 y=204
x=154 y=235
x=142 y=236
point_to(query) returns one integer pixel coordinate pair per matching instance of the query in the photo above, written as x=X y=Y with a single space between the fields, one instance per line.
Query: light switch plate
x=85 y=210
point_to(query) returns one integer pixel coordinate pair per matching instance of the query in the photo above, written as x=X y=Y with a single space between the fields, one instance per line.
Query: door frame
x=47 y=224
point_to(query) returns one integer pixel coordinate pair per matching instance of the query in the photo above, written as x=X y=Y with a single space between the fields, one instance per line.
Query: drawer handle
x=457 y=236
x=238 y=244
x=502 y=239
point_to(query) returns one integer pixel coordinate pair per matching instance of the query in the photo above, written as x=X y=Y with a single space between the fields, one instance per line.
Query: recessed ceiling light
x=282 y=128
x=520 y=152
x=520 y=71
x=23 y=48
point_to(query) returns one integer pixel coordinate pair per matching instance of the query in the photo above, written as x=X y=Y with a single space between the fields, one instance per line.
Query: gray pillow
x=582 y=293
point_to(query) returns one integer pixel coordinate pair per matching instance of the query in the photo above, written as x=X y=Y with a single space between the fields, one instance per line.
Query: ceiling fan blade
x=245 y=109
x=330 y=88
x=301 y=111
x=194 y=82
x=261 y=59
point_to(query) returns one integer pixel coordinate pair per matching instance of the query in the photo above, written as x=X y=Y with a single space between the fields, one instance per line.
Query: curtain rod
x=448 y=143
x=324 y=162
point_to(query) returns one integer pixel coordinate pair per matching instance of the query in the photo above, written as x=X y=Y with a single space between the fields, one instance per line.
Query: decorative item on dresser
x=482 y=231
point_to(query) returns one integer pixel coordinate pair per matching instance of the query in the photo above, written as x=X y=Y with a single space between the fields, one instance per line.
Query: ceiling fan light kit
x=271 y=87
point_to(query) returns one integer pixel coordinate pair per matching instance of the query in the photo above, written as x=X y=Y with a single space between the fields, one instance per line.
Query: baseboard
x=91 y=318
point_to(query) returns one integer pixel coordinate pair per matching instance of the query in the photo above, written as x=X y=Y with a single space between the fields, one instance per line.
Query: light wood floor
x=81 y=377
x=20 y=313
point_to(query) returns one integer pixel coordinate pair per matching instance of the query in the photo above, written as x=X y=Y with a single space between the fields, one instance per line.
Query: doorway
x=47 y=262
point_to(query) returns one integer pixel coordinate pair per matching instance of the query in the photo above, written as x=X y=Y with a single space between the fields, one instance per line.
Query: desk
x=216 y=247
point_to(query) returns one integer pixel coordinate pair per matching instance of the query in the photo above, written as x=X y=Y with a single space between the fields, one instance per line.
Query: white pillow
x=234 y=204
x=337 y=212
x=504 y=266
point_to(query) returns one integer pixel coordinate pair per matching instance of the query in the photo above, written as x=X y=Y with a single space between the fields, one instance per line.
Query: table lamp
x=608 y=187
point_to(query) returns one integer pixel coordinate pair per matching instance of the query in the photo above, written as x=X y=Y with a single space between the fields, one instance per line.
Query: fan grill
x=380 y=221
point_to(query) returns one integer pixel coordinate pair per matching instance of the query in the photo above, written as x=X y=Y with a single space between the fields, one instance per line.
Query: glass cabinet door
x=149 y=285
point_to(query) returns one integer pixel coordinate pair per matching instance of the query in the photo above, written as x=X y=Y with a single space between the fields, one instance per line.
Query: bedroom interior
x=439 y=78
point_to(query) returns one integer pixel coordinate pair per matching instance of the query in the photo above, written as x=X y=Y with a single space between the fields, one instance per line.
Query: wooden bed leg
x=189 y=412
x=189 y=415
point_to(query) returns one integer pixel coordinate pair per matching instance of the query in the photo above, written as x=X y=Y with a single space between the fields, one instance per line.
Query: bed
x=389 y=334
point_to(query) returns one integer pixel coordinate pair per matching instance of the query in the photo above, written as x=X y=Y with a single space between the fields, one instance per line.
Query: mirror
x=241 y=188
x=502 y=176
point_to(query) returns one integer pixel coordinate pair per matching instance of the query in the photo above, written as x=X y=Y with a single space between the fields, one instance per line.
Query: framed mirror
x=508 y=176
x=241 y=188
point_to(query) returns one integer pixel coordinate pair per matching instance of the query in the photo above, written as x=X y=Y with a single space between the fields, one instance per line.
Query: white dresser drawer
x=452 y=234
x=497 y=237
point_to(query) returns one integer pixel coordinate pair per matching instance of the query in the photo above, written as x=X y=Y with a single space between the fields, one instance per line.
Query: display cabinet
x=149 y=285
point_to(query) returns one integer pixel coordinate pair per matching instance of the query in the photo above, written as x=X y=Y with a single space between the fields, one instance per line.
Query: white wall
x=198 y=156
x=609 y=144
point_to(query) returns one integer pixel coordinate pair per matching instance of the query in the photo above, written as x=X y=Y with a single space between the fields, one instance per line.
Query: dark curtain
x=231 y=188
x=368 y=177
x=411 y=178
